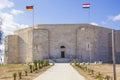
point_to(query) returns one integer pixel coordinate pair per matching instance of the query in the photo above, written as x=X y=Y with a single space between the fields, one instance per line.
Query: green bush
x=42 y=63
x=39 y=64
x=92 y=72
x=85 y=68
x=48 y=63
x=75 y=62
x=45 y=62
x=35 y=64
x=99 y=76
x=33 y=67
x=31 y=70
x=14 y=76
x=25 y=72
x=20 y=75
x=88 y=70
x=108 y=77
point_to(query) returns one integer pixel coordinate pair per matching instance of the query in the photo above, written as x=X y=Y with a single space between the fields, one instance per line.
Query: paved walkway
x=60 y=71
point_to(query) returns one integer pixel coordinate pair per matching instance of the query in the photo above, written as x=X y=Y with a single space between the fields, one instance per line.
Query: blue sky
x=104 y=13
x=14 y=16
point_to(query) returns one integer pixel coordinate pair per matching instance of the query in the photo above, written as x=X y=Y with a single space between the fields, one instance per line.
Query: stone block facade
x=11 y=49
x=82 y=41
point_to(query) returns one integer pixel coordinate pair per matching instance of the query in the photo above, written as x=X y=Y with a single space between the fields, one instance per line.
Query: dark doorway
x=62 y=47
x=62 y=54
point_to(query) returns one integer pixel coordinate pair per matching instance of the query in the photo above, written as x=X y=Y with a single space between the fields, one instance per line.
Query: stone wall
x=117 y=45
x=82 y=41
x=86 y=44
x=76 y=39
x=117 y=38
x=62 y=35
x=93 y=44
x=40 y=44
x=104 y=44
x=11 y=49
x=25 y=45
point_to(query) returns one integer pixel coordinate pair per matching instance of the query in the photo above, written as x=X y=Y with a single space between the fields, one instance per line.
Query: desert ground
x=6 y=71
x=104 y=69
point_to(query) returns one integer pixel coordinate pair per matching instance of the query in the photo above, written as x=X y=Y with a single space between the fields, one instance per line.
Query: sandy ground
x=106 y=69
x=60 y=71
x=6 y=72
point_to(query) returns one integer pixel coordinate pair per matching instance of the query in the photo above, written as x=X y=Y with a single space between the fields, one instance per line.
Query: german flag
x=29 y=8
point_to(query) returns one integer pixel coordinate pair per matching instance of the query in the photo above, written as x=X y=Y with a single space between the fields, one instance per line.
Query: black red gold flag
x=29 y=8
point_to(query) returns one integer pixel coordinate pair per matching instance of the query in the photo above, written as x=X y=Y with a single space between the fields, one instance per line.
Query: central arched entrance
x=62 y=51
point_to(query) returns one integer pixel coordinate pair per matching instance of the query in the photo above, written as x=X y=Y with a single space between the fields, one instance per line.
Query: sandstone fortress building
x=61 y=43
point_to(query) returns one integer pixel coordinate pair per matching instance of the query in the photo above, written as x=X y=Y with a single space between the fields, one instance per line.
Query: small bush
x=14 y=76
x=20 y=75
x=99 y=76
x=45 y=62
x=39 y=64
x=33 y=67
x=75 y=62
x=92 y=72
x=25 y=73
x=85 y=68
x=35 y=64
x=42 y=63
x=88 y=70
x=108 y=77
x=31 y=70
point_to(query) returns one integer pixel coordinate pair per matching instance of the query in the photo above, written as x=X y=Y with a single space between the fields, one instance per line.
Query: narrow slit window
x=88 y=46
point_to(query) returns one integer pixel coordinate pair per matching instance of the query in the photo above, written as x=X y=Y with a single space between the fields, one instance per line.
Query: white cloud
x=16 y=12
x=116 y=18
x=9 y=25
x=6 y=4
x=93 y=23
x=108 y=19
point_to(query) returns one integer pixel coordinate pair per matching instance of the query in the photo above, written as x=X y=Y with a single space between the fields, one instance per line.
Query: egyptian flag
x=86 y=5
x=29 y=8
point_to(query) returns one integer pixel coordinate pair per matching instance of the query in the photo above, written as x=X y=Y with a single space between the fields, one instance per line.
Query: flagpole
x=113 y=54
x=33 y=16
x=31 y=8
x=88 y=15
x=88 y=26
x=33 y=32
x=87 y=6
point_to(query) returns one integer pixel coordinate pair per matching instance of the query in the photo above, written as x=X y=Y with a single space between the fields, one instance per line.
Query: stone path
x=60 y=71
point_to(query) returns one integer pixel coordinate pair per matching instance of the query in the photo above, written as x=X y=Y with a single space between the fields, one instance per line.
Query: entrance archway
x=62 y=54
x=62 y=51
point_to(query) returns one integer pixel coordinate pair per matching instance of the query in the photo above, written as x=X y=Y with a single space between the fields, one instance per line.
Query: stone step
x=62 y=60
x=51 y=61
